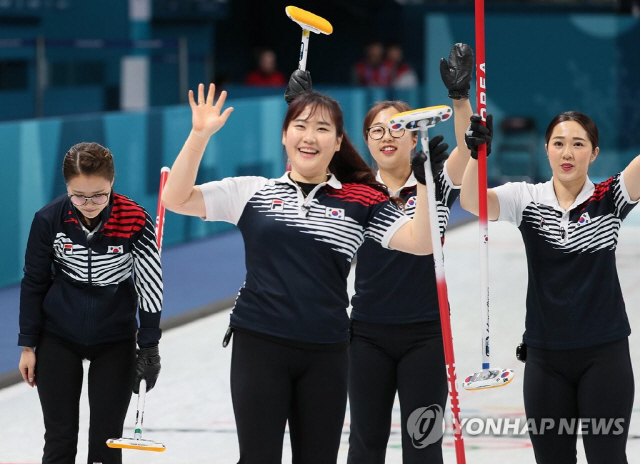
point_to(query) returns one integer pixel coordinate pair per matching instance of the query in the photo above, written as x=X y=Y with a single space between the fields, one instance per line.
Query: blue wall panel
x=537 y=65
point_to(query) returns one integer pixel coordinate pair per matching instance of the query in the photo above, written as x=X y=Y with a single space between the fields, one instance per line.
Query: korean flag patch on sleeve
x=334 y=213
x=115 y=249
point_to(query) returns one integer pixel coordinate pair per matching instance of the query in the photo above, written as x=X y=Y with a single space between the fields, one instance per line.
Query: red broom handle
x=164 y=175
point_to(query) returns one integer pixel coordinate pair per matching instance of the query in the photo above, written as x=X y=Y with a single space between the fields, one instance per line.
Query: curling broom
x=137 y=442
x=421 y=120
x=488 y=377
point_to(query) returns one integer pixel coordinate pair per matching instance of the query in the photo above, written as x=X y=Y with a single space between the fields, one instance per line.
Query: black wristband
x=459 y=94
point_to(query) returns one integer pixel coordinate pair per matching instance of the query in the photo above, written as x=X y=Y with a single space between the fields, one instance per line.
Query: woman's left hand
x=27 y=366
x=206 y=117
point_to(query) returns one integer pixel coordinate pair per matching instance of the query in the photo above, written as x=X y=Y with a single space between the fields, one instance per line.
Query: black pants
x=273 y=382
x=383 y=359
x=595 y=384
x=59 y=374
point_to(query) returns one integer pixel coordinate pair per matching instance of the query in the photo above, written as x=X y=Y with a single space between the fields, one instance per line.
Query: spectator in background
x=371 y=70
x=266 y=73
x=401 y=74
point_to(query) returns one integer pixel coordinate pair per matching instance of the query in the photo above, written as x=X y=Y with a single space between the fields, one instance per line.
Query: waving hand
x=206 y=116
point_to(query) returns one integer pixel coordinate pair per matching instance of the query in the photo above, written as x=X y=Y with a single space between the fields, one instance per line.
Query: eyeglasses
x=377 y=132
x=97 y=199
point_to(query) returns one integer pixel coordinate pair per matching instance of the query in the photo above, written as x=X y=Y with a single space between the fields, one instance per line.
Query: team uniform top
x=299 y=251
x=398 y=288
x=86 y=287
x=574 y=299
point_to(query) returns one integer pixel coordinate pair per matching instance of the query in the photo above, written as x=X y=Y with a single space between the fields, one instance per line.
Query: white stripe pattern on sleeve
x=147 y=269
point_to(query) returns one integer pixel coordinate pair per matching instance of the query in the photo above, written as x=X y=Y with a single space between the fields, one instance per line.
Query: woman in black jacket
x=91 y=261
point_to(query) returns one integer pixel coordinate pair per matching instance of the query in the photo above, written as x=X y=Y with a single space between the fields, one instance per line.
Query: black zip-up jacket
x=88 y=291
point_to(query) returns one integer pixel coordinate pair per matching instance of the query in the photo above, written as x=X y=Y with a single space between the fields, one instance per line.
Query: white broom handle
x=481 y=103
x=140 y=409
x=304 y=49
x=433 y=215
x=484 y=291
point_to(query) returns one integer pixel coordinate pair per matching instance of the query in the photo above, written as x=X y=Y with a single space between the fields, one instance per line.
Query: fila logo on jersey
x=115 y=249
x=411 y=202
x=336 y=213
x=68 y=248
x=584 y=219
x=277 y=205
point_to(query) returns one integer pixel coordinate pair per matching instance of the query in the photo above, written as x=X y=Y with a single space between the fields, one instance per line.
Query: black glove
x=299 y=82
x=477 y=134
x=456 y=74
x=147 y=367
x=437 y=156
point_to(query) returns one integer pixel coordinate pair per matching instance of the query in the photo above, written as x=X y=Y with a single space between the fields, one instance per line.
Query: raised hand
x=207 y=116
x=456 y=74
x=300 y=81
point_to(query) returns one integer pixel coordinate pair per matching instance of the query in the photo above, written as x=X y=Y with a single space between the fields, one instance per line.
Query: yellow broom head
x=410 y=119
x=309 y=21
x=137 y=444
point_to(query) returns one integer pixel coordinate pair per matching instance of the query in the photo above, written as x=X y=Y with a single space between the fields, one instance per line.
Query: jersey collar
x=550 y=198
x=411 y=182
x=104 y=214
x=332 y=182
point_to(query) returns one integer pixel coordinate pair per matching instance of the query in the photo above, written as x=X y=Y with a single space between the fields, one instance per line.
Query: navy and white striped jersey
x=392 y=287
x=574 y=299
x=299 y=250
x=87 y=290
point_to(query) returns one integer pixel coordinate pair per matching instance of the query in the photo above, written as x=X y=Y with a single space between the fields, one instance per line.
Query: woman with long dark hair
x=301 y=232
x=396 y=336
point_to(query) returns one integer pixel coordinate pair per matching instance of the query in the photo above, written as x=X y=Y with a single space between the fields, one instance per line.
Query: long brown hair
x=89 y=159
x=347 y=164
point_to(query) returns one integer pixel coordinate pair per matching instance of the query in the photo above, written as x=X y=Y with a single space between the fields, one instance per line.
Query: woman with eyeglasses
x=396 y=337
x=91 y=264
